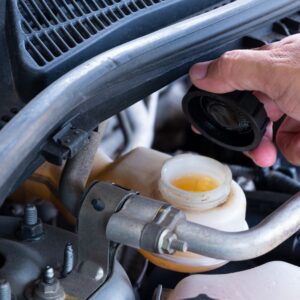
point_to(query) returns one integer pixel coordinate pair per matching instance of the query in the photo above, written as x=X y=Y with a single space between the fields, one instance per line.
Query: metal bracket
x=96 y=252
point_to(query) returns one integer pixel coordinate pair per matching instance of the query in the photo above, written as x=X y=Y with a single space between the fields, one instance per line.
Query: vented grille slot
x=53 y=27
x=223 y=3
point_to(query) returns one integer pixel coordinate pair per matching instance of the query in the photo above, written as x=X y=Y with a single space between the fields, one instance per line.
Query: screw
x=179 y=245
x=5 y=290
x=30 y=214
x=48 y=276
x=68 y=264
x=98 y=204
x=169 y=243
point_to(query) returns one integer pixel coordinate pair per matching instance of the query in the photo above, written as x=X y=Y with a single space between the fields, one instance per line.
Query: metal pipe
x=146 y=229
x=235 y=246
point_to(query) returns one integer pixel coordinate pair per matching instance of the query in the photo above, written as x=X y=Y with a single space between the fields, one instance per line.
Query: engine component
x=76 y=173
x=236 y=120
x=22 y=263
x=274 y=280
x=68 y=264
x=161 y=58
x=31 y=228
x=59 y=126
x=219 y=203
x=223 y=207
x=271 y=232
x=49 y=287
x=5 y=290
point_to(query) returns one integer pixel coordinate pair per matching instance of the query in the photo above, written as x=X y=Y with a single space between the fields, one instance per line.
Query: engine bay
x=106 y=190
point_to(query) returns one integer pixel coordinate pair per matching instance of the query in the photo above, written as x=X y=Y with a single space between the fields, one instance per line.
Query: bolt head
x=92 y=270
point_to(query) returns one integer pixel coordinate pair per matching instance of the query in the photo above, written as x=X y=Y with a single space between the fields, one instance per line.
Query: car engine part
x=180 y=46
x=68 y=66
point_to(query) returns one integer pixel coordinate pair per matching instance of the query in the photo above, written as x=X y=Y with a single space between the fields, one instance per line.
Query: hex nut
x=44 y=291
x=30 y=232
x=166 y=243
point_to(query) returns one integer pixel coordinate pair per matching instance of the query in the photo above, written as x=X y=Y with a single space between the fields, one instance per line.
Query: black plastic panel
x=47 y=38
x=65 y=24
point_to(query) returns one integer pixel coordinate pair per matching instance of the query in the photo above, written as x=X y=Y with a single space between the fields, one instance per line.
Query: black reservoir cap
x=236 y=121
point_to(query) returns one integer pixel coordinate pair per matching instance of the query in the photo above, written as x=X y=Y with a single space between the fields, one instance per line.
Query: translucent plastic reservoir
x=272 y=281
x=200 y=186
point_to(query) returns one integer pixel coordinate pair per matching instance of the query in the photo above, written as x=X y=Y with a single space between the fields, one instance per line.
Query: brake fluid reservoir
x=200 y=186
x=204 y=190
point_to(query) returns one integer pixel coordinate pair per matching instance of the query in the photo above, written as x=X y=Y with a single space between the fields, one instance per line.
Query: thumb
x=235 y=70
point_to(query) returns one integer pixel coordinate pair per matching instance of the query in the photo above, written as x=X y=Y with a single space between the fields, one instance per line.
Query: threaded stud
x=68 y=263
x=30 y=214
x=5 y=290
x=48 y=276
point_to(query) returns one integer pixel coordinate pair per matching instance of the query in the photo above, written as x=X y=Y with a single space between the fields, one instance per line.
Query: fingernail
x=199 y=71
x=247 y=153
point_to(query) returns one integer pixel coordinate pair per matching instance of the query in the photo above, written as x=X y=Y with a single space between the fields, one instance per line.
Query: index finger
x=235 y=70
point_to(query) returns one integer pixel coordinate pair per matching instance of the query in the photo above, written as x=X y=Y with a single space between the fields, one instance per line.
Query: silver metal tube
x=235 y=246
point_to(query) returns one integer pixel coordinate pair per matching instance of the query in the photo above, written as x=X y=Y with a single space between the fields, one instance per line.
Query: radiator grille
x=54 y=27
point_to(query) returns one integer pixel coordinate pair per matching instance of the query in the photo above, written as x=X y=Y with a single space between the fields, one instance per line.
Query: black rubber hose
x=124 y=75
x=274 y=181
x=278 y=182
x=238 y=171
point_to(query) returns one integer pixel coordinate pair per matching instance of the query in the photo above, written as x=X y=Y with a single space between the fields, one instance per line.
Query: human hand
x=273 y=73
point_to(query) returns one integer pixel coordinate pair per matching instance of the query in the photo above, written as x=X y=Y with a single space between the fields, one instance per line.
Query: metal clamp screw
x=169 y=243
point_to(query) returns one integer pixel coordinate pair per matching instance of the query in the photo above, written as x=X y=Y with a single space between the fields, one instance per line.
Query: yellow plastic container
x=202 y=187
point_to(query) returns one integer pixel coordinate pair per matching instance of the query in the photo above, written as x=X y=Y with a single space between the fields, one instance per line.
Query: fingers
x=288 y=140
x=273 y=111
x=265 y=154
x=235 y=70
